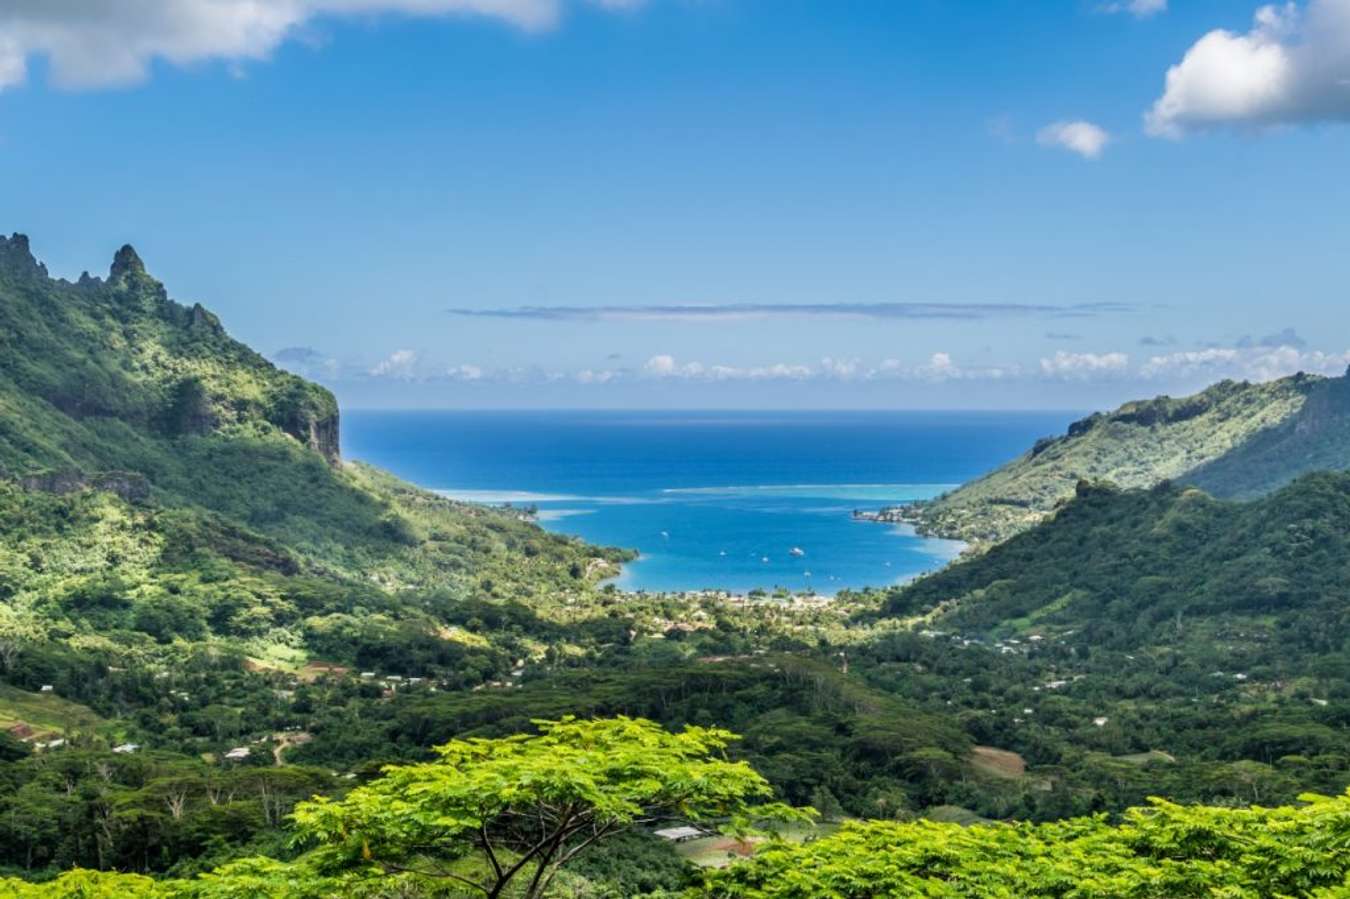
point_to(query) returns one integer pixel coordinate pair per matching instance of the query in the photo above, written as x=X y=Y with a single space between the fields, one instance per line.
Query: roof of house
x=679 y=833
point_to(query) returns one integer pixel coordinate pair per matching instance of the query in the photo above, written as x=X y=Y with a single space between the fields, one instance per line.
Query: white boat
x=797 y=551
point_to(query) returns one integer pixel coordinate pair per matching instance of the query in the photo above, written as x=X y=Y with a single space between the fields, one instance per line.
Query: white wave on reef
x=528 y=497
x=558 y=514
x=502 y=497
x=861 y=492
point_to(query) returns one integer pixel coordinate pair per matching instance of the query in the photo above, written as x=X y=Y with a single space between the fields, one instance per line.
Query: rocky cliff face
x=321 y=434
x=129 y=485
x=1317 y=438
x=17 y=260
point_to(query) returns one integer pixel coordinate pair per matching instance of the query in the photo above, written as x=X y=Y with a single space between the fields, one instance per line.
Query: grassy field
x=46 y=713
x=997 y=762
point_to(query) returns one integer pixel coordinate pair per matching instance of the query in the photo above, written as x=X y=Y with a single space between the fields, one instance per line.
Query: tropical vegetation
x=209 y=619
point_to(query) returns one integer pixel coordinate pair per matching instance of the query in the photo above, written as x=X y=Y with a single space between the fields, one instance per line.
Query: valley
x=209 y=616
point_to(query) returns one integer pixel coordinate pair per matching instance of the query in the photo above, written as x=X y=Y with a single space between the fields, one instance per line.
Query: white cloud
x=660 y=366
x=666 y=367
x=840 y=369
x=1189 y=363
x=1274 y=356
x=1084 y=138
x=465 y=373
x=1257 y=363
x=1293 y=66
x=1084 y=366
x=400 y=364
x=941 y=367
x=99 y=43
x=1140 y=9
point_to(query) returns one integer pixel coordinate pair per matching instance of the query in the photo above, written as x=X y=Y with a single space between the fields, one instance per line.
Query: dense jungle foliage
x=207 y=617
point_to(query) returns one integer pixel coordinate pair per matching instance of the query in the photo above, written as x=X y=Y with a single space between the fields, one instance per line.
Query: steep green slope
x=92 y=370
x=1223 y=583
x=1137 y=445
x=1316 y=438
x=161 y=481
x=1153 y=642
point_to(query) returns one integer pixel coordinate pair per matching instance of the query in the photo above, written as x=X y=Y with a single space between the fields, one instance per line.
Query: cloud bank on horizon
x=1255 y=359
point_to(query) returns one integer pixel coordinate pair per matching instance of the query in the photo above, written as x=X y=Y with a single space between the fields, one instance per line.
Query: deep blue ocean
x=711 y=500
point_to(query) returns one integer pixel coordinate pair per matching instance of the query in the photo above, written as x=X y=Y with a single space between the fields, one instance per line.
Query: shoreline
x=760 y=558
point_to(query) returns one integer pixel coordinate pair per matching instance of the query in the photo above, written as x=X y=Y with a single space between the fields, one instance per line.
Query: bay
x=712 y=500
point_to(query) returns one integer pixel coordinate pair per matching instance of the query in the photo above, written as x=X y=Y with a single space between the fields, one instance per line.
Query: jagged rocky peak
x=128 y=274
x=16 y=256
x=126 y=262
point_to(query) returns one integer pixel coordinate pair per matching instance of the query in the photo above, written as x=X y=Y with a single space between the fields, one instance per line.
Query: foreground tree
x=1164 y=851
x=490 y=811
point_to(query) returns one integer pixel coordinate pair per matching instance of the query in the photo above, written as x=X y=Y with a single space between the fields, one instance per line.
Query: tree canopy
x=529 y=804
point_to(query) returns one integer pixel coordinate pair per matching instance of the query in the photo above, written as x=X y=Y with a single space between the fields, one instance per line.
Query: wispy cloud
x=1140 y=9
x=307 y=362
x=748 y=311
x=1085 y=366
x=401 y=364
x=1084 y=138
x=1288 y=337
x=101 y=43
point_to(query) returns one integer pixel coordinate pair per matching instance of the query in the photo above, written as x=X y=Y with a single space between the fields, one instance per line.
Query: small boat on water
x=797 y=551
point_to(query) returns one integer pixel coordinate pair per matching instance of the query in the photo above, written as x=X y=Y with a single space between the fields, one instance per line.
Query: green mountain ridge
x=113 y=355
x=1235 y=439
x=208 y=616
x=161 y=481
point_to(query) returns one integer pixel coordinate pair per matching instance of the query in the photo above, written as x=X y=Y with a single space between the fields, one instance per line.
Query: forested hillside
x=207 y=618
x=1316 y=438
x=1259 y=584
x=1234 y=439
x=206 y=614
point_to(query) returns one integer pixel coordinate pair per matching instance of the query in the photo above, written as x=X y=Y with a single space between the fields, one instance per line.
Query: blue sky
x=696 y=203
